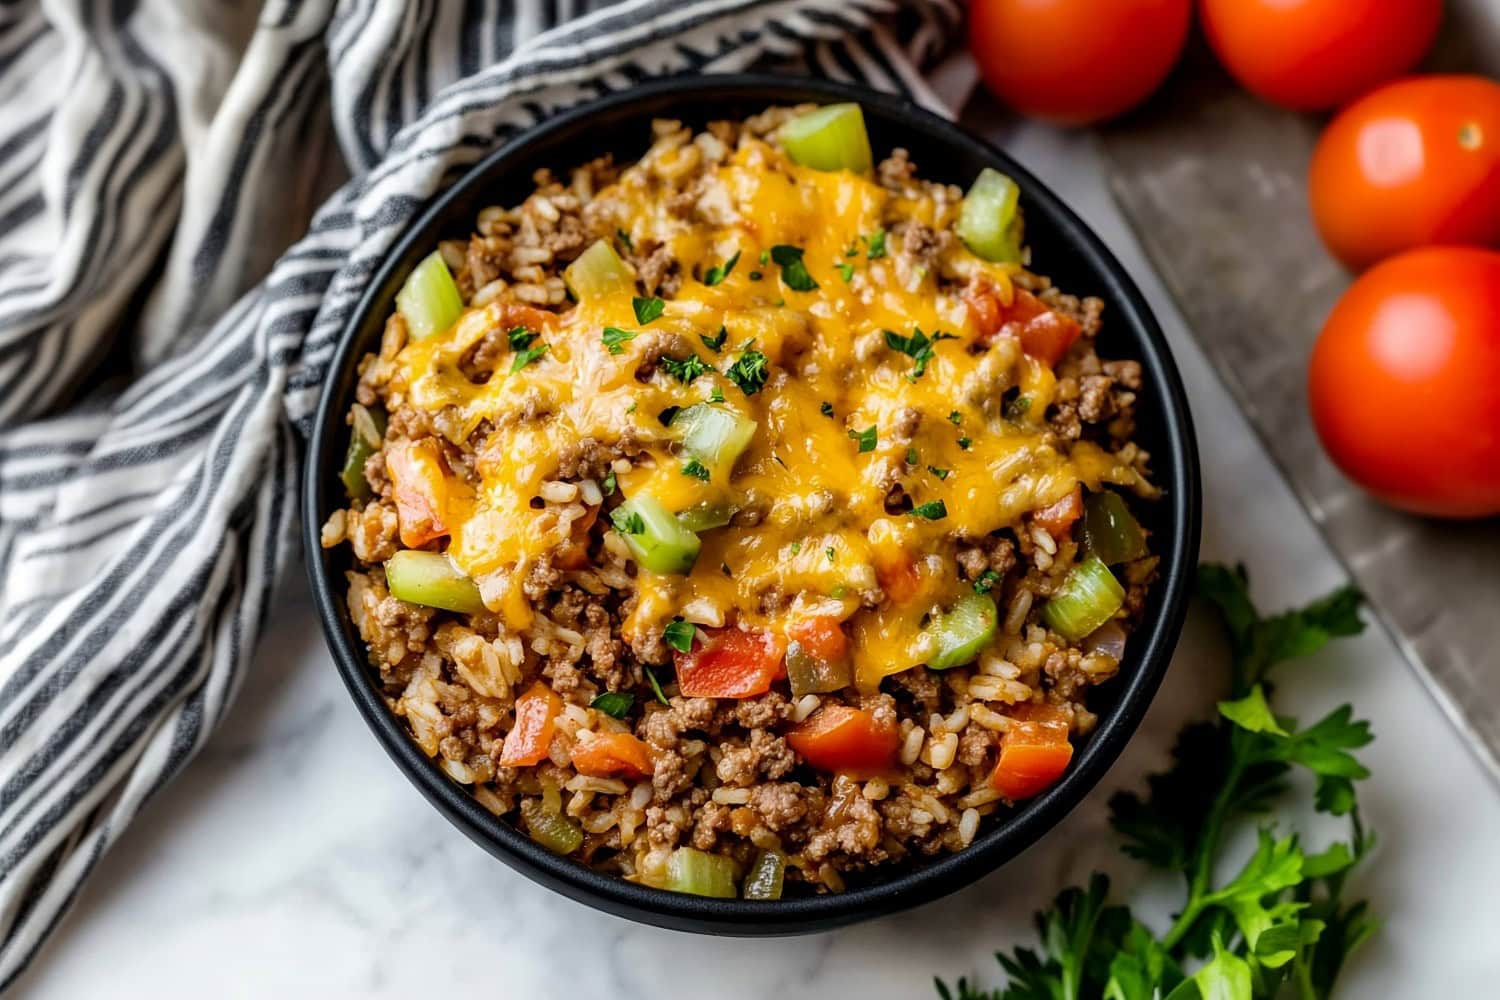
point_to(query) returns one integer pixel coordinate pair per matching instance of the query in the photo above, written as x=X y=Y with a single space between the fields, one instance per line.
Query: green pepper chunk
x=700 y=873
x=962 y=633
x=764 y=880
x=656 y=539
x=989 y=222
x=830 y=138
x=1110 y=531
x=429 y=301
x=365 y=436
x=807 y=673
x=598 y=271
x=431 y=579
x=556 y=833
x=715 y=435
x=1088 y=598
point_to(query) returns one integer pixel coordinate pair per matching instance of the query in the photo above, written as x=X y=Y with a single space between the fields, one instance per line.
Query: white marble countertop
x=292 y=859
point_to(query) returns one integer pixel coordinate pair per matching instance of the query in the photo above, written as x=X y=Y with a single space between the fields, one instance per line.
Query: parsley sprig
x=919 y=347
x=1279 y=926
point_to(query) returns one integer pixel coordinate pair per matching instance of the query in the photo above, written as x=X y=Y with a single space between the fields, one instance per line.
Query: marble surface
x=292 y=859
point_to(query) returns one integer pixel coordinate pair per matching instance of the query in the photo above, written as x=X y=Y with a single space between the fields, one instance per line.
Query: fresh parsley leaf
x=685 y=369
x=749 y=372
x=627 y=521
x=609 y=482
x=793 y=270
x=911 y=456
x=986 y=582
x=932 y=510
x=625 y=240
x=680 y=634
x=876 y=243
x=615 y=704
x=955 y=418
x=615 y=338
x=696 y=469
x=526 y=357
x=647 y=309
x=867 y=438
x=716 y=395
x=655 y=684
x=716 y=342
x=919 y=347
x=826 y=408
x=520 y=338
x=765 y=257
x=940 y=473
x=964 y=443
x=796 y=547
x=719 y=272
x=846 y=271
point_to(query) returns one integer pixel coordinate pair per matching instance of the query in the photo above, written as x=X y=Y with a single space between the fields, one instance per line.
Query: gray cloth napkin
x=158 y=158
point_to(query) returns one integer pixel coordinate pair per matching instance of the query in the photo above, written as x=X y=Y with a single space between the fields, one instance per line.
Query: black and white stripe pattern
x=157 y=161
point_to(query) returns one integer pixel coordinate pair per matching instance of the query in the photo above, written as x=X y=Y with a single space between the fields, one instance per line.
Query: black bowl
x=1063 y=248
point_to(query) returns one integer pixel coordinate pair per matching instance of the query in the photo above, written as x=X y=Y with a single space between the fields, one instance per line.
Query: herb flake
x=680 y=634
x=526 y=357
x=932 y=510
x=719 y=272
x=867 y=438
x=793 y=270
x=716 y=342
x=696 y=469
x=615 y=704
x=749 y=372
x=615 y=338
x=647 y=309
x=685 y=369
x=919 y=347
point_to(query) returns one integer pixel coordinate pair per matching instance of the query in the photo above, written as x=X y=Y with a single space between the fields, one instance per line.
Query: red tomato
x=822 y=637
x=1044 y=334
x=1415 y=163
x=609 y=755
x=1405 y=382
x=898 y=577
x=1057 y=519
x=1312 y=55
x=1077 y=61
x=840 y=738
x=420 y=488
x=731 y=663
x=531 y=736
x=1034 y=753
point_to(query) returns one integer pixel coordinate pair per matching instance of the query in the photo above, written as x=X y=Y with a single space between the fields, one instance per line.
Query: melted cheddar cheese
x=824 y=529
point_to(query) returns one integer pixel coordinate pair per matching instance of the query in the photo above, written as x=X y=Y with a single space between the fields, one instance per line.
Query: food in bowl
x=746 y=516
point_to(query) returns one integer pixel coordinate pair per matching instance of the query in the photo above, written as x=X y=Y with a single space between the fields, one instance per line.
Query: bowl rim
x=1176 y=465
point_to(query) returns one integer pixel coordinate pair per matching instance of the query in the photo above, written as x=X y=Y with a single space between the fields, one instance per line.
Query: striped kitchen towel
x=169 y=299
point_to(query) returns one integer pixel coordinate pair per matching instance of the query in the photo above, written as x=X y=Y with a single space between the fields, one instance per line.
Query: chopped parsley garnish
x=647 y=309
x=749 y=372
x=1017 y=408
x=765 y=257
x=940 y=473
x=932 y=510
x=716 y=396
x=846 y=271
x=716 y=342
x=719 y=272
x=679 y=635
x=615 y=704
x=609 y=482
x=520 y=338
x=919 y=347
x=526 y=357
x=755 y=275
x=876 y=242
x=614 y=338
x=830 y=553
x=852 y=250
x=826 y=409
x=986 y=582
x=685 y=369
x=655 y=685
x=625 y=239
x=696 y=469
x=866 y=438
x=793 y=271
x=964 y=443
x=630 y=408
x=911 y=456
x=796 y=547
x=955 y=418
x=627 y=521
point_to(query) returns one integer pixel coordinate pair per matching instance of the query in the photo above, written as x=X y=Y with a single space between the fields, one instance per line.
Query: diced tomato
x=730 y=663
x=608 y=755
x=529 y=738
x=514 y=314
x=1044 y=334
x=1034 y=753
x=822 y=637
x=840 y=738
x=420 y=487
x=1057 y=519
x=984 y=308
x=898 y=577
